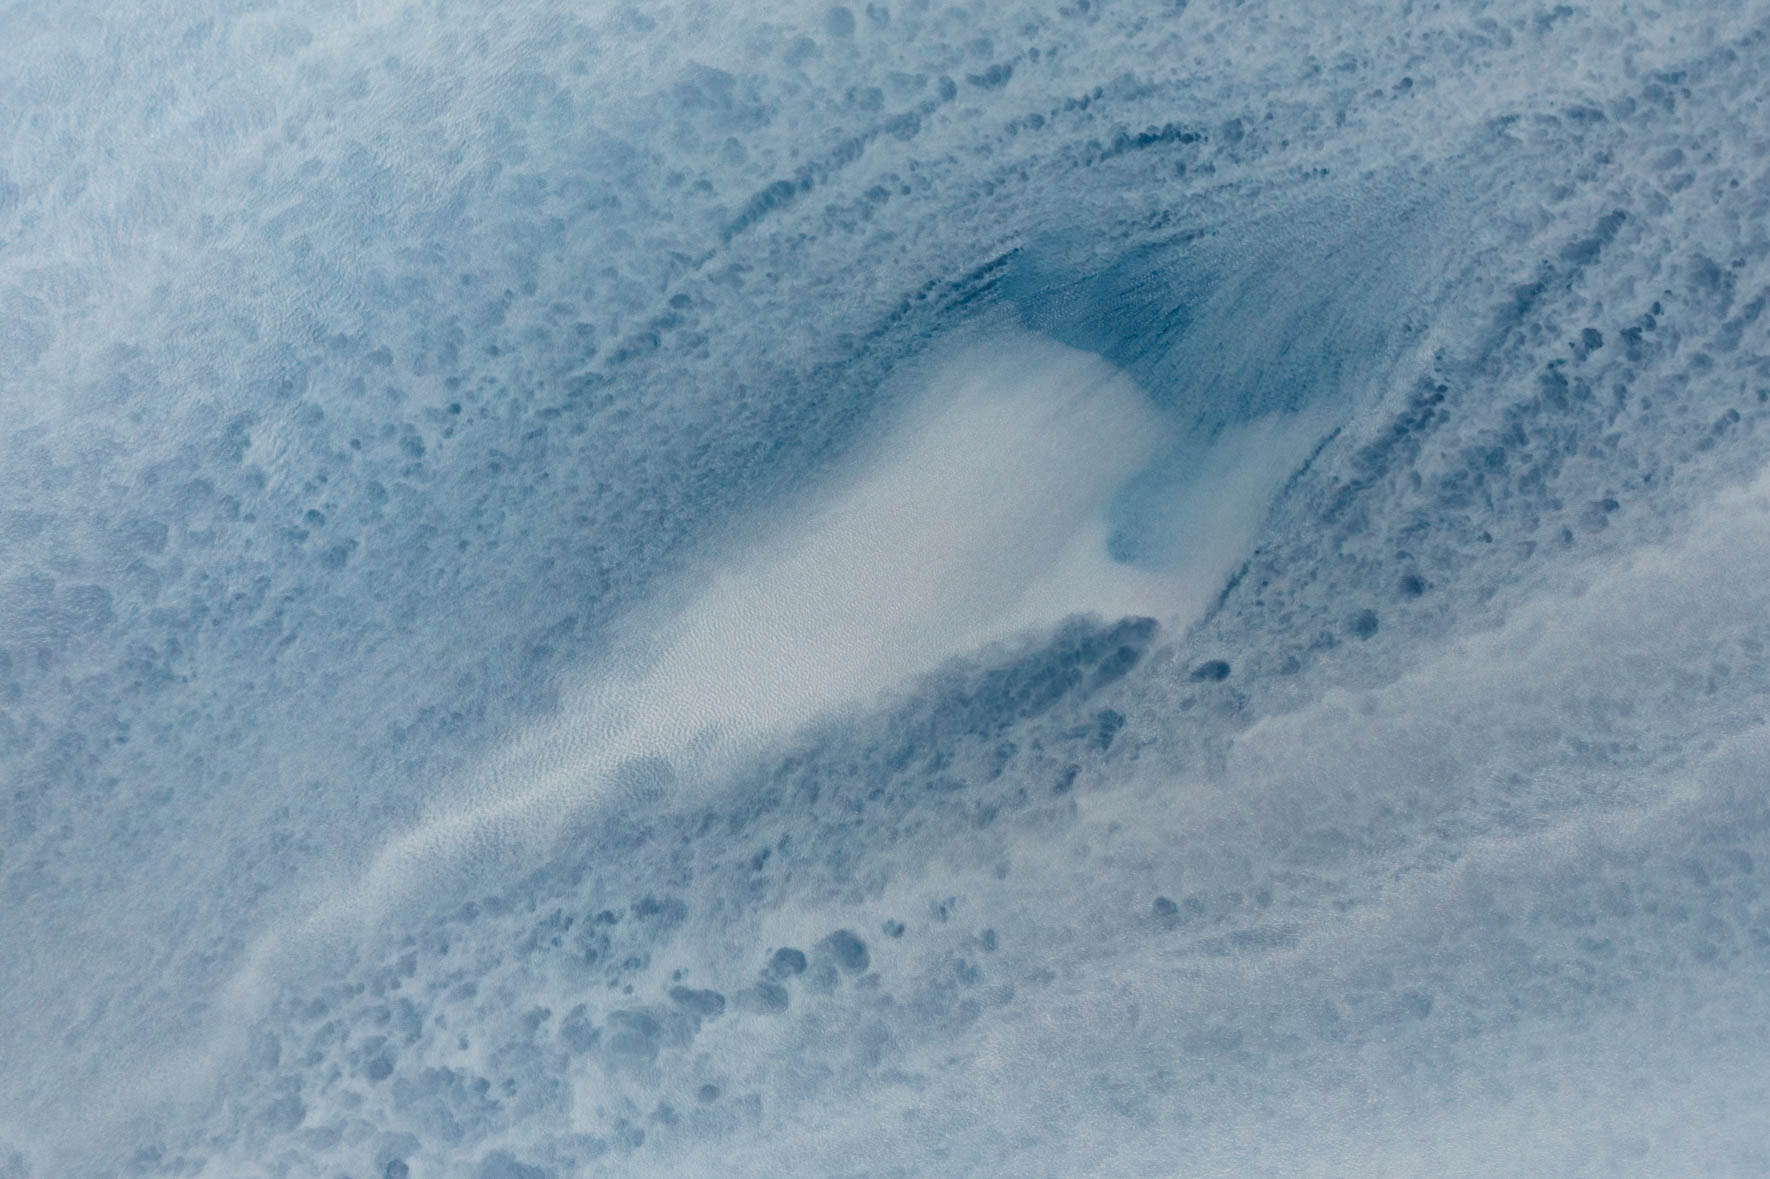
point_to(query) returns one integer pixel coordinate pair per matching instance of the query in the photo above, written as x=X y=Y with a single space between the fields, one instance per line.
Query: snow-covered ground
x=1093 y=587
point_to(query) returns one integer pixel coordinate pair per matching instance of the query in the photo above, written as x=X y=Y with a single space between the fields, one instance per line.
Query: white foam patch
x=1028 y=1089
x=1216 y=492
x=980 y=515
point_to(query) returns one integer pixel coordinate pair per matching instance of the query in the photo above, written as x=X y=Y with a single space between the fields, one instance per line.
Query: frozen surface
x=1112 y=587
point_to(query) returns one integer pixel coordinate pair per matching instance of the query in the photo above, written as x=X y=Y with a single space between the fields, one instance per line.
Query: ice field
x=1005 y=588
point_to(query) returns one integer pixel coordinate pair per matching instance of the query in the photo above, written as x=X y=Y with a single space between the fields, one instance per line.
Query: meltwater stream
x=1102 y=587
